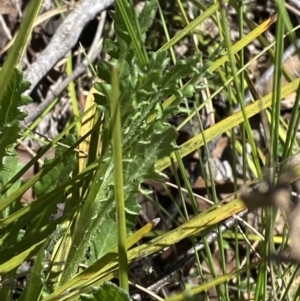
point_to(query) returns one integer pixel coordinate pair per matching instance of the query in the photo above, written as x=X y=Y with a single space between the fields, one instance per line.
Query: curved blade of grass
x=87 y=124
x=15 y=261
x=199 y=223
x=100 y=265
x=192 y=227
x=104 y=272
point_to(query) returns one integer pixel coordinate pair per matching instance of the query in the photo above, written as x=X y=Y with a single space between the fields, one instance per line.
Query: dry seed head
x=259 y=196
x=279 y=196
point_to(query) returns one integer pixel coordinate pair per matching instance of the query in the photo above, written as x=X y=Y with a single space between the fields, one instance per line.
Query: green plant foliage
x=108 y=291
x=104 y=240
x=145 y=80
x=58 y=175
x=36 y=279
x=12 y=166
x=53 y=239
x=146 y=17
x=10 y=115
x=142 y=90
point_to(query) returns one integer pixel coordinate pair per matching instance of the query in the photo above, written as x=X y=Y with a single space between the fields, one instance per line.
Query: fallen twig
x=64 y=39
x=57 y=89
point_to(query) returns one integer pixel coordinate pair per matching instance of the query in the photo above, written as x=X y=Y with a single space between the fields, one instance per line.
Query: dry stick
x=296 y=3
x=5 y=28
x=292 y=9
x=57 y=89
x=64 y=39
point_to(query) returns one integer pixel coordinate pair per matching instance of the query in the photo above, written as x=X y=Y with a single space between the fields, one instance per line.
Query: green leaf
x=125 y=49
x=108 y=291
x=58 y=175
x=112 y=49
x=143 y=88
x=103 y=236
x=35 y=281
x=182 y=69
x=104 y=72
x=146 y=17
x=103 y=241
x=146 y=153
x=10 y=115
x=11 y=167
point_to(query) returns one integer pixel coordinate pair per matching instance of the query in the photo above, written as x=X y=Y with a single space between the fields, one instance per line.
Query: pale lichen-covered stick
x=59 y=87
x=296 y=3
x=64 y=39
